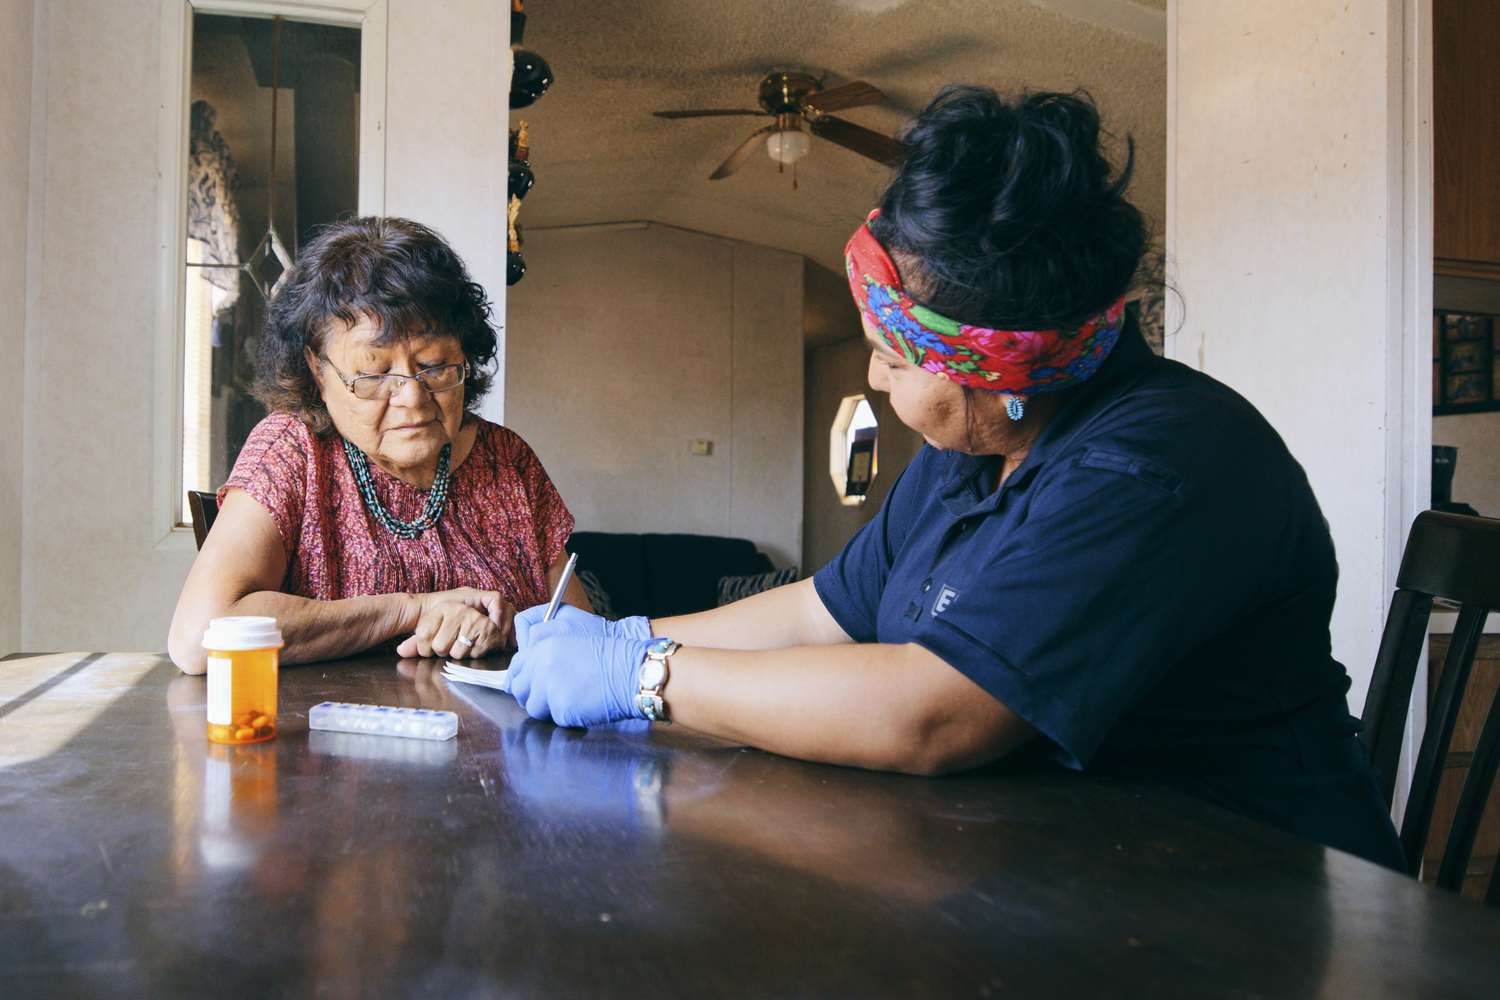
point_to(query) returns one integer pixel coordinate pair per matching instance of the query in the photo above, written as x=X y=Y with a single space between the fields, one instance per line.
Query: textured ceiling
x=600 y=156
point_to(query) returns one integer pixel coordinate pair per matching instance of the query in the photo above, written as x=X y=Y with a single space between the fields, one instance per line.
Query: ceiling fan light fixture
x=797 y=104
x=787 y=146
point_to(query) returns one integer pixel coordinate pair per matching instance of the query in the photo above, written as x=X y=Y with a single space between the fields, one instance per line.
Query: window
x=852 y=450
x=273 y=153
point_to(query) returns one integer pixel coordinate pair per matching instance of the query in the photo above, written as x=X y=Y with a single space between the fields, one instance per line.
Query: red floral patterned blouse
x=503 y=526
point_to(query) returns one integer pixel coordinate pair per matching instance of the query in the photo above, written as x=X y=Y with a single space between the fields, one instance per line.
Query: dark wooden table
x=521 y=859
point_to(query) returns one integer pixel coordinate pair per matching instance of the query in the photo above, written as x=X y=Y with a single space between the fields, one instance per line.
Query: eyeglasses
x=434 y=380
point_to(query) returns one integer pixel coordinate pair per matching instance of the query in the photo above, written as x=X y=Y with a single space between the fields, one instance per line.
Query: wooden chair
x=204 y=507
x=1456 y=558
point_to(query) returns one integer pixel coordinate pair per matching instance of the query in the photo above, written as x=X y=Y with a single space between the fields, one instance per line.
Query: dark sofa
x=662 y=575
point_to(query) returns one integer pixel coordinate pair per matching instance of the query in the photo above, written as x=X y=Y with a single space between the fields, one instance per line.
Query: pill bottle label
x=220 y=690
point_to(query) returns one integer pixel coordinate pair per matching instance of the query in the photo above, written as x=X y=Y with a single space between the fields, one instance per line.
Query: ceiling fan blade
x=744 y=152
x=707 y=113
x=849 y=95
x=865 y=142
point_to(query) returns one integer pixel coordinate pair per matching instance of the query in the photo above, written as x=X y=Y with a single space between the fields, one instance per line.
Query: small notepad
x=497 y=679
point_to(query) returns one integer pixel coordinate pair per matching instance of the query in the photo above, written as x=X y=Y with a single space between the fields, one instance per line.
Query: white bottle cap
x=242 y=632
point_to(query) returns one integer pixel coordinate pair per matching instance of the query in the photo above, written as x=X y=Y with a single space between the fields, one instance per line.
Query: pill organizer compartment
x=383 y=720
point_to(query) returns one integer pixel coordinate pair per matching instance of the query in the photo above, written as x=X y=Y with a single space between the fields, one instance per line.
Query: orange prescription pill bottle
x=243 y=659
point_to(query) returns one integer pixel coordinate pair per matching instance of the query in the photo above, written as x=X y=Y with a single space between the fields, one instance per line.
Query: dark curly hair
x=1006 y=213
x=401 y=273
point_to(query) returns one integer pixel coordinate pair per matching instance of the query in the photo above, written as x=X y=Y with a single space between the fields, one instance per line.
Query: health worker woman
x=1100 y=556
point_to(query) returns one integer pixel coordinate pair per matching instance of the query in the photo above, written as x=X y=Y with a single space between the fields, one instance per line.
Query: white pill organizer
x=383 y=720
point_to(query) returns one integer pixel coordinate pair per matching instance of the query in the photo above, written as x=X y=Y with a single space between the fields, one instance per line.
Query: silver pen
x=562 y=585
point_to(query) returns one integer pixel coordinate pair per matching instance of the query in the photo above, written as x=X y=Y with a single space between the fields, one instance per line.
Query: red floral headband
x=1019 y=362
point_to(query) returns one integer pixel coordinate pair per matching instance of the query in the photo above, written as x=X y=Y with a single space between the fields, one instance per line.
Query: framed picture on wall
x=1465 y=362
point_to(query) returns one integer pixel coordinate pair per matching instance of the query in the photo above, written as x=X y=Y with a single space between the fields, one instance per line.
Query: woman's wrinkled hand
x=460 y=624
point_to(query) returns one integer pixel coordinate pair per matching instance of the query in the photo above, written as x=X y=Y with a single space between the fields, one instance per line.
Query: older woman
x=1100 y=556
x=373 y=504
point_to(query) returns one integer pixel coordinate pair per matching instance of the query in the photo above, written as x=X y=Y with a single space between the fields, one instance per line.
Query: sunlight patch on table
x=54 y=716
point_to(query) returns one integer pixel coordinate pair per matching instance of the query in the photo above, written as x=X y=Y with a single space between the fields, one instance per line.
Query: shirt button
x=926 y=586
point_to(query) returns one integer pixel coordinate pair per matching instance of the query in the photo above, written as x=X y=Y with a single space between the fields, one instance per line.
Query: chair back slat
x=1471 y=801
x=204 y=508
x=1456 y=558
x=1384 y=719
x=1428 y=774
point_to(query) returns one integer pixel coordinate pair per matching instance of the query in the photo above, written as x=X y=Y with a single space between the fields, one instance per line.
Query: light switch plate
x=701 y=446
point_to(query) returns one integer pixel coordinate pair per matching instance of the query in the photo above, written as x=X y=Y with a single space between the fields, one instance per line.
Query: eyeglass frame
x=348 y=383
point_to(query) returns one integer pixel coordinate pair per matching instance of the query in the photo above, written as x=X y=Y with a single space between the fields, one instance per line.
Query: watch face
x=653 y=673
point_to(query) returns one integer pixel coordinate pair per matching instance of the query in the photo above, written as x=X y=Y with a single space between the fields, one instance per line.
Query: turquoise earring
x=1015 y=407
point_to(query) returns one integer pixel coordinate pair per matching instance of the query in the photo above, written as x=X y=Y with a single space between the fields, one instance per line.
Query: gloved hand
x=635 y=627
x=575 y=678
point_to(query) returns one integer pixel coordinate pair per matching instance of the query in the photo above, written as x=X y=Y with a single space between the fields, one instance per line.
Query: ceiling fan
x=795 y=99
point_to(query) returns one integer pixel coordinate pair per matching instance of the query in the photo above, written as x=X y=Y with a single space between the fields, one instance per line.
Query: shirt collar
x=964 y=490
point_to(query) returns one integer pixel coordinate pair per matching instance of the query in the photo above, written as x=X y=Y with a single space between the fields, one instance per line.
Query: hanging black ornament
x=515 y=267
x=521 y=179
x=530 y=78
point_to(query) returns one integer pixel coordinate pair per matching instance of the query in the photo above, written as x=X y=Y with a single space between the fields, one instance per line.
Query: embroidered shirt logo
x=945 y=597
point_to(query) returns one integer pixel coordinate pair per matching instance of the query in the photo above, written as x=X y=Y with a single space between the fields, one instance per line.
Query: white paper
x=496 y=679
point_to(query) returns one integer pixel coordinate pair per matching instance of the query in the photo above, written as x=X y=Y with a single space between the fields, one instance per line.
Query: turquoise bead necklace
x=437 y=497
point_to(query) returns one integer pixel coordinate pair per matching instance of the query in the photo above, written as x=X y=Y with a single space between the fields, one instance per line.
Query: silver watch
x=654 y=673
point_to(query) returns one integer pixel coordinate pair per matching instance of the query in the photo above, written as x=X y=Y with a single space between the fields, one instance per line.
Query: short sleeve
x=551 y=519
x=1118 y=572
x=272 y=469
x=852 y=583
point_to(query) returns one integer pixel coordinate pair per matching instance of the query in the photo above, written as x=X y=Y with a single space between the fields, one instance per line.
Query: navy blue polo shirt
x=1150 y=589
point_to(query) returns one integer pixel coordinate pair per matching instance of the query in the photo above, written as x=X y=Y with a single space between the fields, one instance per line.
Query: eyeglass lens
x=389 y=386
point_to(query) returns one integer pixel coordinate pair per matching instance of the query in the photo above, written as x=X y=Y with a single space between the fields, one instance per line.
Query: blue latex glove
x=635 y=627
x=575 y=678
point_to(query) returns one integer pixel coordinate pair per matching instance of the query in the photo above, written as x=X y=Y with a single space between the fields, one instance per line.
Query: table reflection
x=644 y=779
x=465 y=863
x=428 y=687
x=225 y=800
